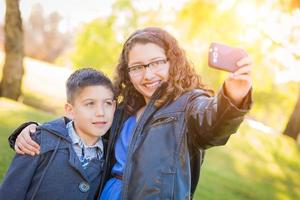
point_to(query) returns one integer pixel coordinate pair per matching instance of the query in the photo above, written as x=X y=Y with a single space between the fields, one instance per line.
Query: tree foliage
x=97 y=46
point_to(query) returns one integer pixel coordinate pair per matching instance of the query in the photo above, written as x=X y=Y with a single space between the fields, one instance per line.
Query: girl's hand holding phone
x=239 y=83
x=238 y=63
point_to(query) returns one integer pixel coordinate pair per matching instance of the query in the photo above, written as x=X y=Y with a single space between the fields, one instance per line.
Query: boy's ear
x=69 y=112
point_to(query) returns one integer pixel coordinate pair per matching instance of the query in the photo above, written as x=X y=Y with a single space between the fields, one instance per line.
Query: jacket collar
x=58 y=128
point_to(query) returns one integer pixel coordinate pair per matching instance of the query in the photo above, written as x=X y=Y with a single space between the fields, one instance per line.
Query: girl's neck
x=140 y=112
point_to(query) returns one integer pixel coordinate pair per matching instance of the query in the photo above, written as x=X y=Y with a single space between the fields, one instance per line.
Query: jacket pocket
x=167 y=185
x=163 y=120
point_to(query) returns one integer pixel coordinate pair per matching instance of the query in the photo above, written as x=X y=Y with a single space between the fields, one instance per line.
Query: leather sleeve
x=12 y=138
x=211 y=120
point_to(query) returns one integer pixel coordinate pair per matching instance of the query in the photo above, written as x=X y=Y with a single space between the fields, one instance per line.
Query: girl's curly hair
x=182 y=76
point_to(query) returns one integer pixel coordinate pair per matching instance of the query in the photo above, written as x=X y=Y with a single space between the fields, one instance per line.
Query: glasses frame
x=144 y=66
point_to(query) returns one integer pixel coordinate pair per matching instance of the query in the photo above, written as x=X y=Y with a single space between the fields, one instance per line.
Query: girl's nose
x=148 y=74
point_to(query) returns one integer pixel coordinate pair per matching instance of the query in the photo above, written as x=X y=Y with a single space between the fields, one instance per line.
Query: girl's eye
x=158 y=63
x=155 y=63
x=136 y=68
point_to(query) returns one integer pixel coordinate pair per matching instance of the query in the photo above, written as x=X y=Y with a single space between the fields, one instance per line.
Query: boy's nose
x=100 y=111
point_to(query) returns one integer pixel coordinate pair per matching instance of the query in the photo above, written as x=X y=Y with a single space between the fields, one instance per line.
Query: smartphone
x=224 y=57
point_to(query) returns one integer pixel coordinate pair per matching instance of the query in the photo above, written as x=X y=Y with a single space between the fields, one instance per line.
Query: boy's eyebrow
x=110 y=99
x=91 y=99
x=88 y=99
x=140 y=62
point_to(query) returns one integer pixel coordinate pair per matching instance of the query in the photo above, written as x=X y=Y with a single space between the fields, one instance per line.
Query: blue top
x=122 y=145
x=113 y=187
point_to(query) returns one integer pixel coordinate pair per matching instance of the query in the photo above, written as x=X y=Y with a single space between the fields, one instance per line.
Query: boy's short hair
x=85 y=77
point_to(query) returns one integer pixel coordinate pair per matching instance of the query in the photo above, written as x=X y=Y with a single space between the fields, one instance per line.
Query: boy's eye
x=109 y=102
x=90 y=103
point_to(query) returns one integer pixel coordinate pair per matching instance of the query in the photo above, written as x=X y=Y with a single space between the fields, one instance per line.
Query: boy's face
x=92 y=111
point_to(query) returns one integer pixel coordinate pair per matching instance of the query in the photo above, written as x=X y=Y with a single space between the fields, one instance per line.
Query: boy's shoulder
x=51 y=134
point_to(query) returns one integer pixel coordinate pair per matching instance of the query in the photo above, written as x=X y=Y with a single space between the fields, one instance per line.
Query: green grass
x=11 y=115
x=253 y=165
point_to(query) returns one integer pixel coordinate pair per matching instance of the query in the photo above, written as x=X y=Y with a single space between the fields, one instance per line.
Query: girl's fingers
x=28 y=143
x=32 y=143
x=244 y=70
x=18 y=151
x=32 y=128
x=242 y=77
x=244 y=61
x=24 y=149
x=24 y=141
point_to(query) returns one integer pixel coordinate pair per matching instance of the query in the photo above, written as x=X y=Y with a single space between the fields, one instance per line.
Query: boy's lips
x=100 y=123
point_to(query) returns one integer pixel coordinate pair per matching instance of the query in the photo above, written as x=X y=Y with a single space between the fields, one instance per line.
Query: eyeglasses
x=154 y=66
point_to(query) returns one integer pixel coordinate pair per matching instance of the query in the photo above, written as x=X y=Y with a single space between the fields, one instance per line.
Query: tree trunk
x=293 y=126
x=13 y=71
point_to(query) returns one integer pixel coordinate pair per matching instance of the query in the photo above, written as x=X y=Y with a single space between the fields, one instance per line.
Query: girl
x=165 y=121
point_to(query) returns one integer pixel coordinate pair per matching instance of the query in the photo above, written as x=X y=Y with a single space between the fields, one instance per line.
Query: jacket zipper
x=163 y=121
x=136 y=133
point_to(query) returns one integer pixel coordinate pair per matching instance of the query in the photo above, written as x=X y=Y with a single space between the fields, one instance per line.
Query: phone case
x=224 y=57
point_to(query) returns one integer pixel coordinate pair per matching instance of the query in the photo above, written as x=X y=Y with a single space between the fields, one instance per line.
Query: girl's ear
x=69 y=111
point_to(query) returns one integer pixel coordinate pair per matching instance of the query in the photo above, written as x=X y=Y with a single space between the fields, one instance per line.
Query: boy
x=71 y=157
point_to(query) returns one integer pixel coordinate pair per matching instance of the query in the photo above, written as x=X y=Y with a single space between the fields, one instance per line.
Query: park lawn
x=12 y=114
x=253 y=165
x=43 y=84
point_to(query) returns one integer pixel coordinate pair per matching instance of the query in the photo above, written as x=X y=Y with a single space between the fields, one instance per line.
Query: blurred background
x=42 y=42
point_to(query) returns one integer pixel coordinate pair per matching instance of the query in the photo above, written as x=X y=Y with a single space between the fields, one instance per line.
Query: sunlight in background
x=277 y=27
x=226 y=5
x=159 y=4
x=85 y=11
x=260 y=126
x=247 y=12
x=2 y=11
x=72 y=15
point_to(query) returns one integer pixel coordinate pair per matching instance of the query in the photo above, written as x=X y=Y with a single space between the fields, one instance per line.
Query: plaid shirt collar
x=77 y=140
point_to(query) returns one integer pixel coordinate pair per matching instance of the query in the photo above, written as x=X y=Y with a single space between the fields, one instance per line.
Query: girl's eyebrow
x=141 y=62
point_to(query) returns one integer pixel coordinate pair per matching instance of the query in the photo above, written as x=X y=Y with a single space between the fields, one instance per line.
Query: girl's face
x=148 y=67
